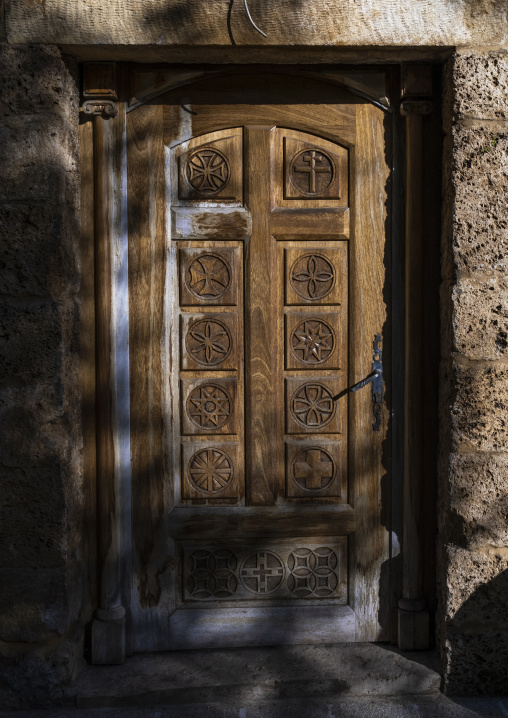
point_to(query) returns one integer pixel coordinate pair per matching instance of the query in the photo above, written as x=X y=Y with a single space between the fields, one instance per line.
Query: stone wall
x=473 y=540
x=40 y=442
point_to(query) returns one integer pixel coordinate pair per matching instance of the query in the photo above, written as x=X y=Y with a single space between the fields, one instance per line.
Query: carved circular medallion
x=209 y=406
x=312 y=406
x=262 y=572
x=312 y=342
x=313 y=469
x=208 y=342
x=210 y=470
x=207 y=171
x=312 y=573
x=211 y=574
x=208 y=277
x=311 y=172
x=312 y=277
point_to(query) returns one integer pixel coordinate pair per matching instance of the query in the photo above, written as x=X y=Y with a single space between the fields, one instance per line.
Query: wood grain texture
x=369 y=294
x=192 y=628
x=261 y=522
x=151 y=477
x=104 y=140
x=263 y=434
x=87 y=354
x=321 y=223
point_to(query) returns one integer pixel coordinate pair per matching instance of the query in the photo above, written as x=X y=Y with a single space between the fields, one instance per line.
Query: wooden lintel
x=318 y=223
x=261 y=522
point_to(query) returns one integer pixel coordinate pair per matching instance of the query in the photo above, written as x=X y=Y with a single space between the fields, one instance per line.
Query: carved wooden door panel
x=257 y=220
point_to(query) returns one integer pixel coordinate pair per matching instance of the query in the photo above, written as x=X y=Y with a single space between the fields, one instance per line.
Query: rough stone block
x=37 y=159
x=476 y=175
x=33 y=604
x=35 y=255
x=325 y=22
x=480 y=407
x=477 y=589
x=478 y=500
x=480 y=317
x=32 y=346
x=477 y=85
x=476 y=663
x=35 y=431
x=32 y=518
x=35 y=80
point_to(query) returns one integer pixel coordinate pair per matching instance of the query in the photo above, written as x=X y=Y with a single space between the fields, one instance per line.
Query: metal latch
x=376 y=379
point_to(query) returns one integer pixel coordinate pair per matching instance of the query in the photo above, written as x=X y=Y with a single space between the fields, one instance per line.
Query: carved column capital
x=106 y=108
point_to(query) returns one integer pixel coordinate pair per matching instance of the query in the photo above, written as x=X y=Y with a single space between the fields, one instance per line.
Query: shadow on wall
x=476 y=642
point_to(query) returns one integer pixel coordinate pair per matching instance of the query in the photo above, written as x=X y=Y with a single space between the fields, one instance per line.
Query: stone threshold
x=252 y=675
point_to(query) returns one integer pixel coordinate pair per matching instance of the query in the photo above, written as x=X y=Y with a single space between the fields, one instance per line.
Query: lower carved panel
x=302 y=571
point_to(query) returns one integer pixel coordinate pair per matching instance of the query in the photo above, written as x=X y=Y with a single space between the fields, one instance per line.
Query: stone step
x=251 y=675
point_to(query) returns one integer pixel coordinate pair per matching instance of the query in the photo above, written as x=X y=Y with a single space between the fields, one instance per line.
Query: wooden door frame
x=105 y=382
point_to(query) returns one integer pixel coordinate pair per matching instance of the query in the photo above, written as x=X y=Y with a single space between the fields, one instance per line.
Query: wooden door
x=258 y=214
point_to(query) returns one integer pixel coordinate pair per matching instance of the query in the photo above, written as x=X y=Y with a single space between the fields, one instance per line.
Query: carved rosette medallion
x=209 y=406
x=312 y=342
x=313 y=469
x=208 y=277
x=207 y=171
x=311 y=172
x=210 y=470
x=312 y=406
x=312 y=573
x=208 y=342
x=312 y=277
x=262 y=572
x=212 y=574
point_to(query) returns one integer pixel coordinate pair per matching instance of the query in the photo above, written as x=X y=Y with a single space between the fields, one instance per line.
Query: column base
x=108 y=640
x=413 y=625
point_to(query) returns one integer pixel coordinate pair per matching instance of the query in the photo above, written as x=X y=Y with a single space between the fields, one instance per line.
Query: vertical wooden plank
x=413 y=355
x=263 y=403
x=369 y=291
x=87 y=365
x=108 y=628
x=151 y=484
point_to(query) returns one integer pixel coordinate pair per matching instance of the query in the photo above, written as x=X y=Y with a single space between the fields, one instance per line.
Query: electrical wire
x=251 y=20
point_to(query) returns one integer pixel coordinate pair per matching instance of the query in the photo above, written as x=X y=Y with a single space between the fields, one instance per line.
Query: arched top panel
x=304 y=104
x=147 y=84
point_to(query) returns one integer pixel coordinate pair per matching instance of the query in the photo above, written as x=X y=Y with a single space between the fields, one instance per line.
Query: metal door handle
x=376 y=379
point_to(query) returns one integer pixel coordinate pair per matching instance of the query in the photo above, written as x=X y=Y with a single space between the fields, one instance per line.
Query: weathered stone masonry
x=473 y=503
x=40 y=441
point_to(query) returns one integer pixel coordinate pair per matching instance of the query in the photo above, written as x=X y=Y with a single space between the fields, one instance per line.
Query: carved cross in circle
x=262 y=572
x=313 y=163
x=313 y=468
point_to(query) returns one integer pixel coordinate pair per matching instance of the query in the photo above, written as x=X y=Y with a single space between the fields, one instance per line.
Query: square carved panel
x=212 y=170
x=316 y=469
x=209 y=406
x=312 y=172
x=309 y=405
x=211 y=470
x=209 y=276
x=316 y=340
x=316 y=276
x=209 y=341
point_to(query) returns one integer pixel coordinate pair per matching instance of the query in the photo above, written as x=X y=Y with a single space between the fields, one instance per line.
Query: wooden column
x=108 y=625
x=413 y=614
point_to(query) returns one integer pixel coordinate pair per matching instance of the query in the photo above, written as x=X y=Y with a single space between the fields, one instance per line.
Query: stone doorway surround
x=49 y=584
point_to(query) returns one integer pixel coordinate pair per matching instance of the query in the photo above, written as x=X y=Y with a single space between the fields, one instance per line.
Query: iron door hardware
x=376 y=379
